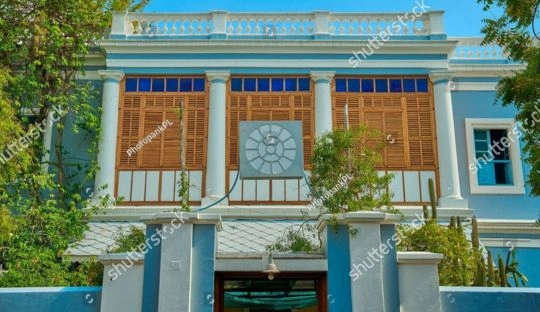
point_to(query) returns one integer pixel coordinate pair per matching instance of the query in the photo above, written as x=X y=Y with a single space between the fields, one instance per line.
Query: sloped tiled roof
x=245 y=236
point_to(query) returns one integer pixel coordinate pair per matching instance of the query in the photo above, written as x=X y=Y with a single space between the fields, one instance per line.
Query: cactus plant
x=452 y=224
x=502 y=272
x=433 y=199
x=426 y=213
x=458 y=221
x=490 y=270
x=475 y=236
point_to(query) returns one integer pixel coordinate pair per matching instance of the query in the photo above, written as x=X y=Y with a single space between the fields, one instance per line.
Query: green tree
x=43 y=48
x=512 y=31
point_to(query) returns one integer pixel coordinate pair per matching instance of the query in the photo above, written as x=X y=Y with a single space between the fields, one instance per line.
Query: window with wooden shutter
x=296 y=104
x=143 y=113
x=404 y=117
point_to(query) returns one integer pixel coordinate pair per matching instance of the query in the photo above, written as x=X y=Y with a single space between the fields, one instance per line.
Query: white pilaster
x=446 y=143
x=47 y=141
x=323 y=102
x=104 y=184
x=215 y=159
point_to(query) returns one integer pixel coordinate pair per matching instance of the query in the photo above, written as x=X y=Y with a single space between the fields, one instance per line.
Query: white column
x=104 y=184
x=47 y=141
x=323 y=101
x=215 y=156
x=446 y=143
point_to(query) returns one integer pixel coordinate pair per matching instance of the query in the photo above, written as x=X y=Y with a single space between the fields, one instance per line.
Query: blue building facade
x=433 y=97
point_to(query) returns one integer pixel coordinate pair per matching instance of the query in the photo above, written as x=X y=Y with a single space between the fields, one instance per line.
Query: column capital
x=218 y=76
x=441 y=76
x=107 y=74
x=322 y=76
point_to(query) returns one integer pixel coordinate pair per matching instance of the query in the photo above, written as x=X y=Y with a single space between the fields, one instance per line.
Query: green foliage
x=344 y=155
x=44 y=46
x=512 y=32
x=301 y=240
x=132 y=241
x=458 y=265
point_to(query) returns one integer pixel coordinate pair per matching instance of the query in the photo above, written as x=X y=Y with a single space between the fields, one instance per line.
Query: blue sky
x=462 y=17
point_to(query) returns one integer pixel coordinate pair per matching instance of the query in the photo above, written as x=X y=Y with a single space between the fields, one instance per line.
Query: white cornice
x=474 y=86
x=508 y=226
x=274 y=46
x=485 y=70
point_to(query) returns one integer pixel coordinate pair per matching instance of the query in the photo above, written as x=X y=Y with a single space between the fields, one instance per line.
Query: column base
x=448 y=202
x=101 y=202
x=212 y=199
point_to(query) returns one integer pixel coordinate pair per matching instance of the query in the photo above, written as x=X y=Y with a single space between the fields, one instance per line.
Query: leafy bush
x=131 y=241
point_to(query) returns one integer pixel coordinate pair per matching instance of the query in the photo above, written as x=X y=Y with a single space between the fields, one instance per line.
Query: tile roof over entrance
x=238 y=236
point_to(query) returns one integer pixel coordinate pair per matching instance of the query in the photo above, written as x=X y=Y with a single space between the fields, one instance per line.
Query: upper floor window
x=274 y=84
x=382 y=85
x=161 y=84
x=494 y=157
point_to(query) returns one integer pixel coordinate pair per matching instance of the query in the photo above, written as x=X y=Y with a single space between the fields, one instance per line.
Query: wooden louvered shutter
x=195 y=121
x=151 y=153
x=130 y=114
x=238 y=111
x=385 y=114
x=421 y=129
x=303 y=111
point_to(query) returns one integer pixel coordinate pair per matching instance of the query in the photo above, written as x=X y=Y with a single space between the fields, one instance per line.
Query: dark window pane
x=381 y=85
x=290 y=84
x=367 y=85
x=263 y=84
x=304 y=84
x=409 y=85
x=341 y=85
x=144 y=84
x=250 y=84
x=186 y=85
x=395 y=85
x=354 y=85
x=421 y=85
x=172 y=84
x=198 y=85
x=131 y=85
x=158 y=85
x=236 y=84
x=277 y=84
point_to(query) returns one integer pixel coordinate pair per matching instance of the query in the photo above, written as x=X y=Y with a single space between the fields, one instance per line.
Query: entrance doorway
x=254 y=292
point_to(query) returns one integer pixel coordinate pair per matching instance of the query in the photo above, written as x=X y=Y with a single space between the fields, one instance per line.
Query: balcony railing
x=472 y=49
x=319 y=23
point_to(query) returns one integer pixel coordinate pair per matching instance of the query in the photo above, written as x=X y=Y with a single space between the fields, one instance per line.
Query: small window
x=291 y=84
x=381 y=85
x=367 y=85
x=186 y=85
x=341 y=85
x=304 y=84
x=354 y=85
x=158 y=85
x=236 y=84
x=494 y=157
x=395 y=85
x=263 y=84
x=250 y=84
x=409 y=85
x=421 y=85
x=131 y=85
x=144 y=84
x=199 y=84
x=277 y=84
x=172 y=84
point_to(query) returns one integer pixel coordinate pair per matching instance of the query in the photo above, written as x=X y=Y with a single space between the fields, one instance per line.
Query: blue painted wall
x=57 y=299
x=528 y=263
x=152 y=266
x=203 y=261
x=476 y=299
x=480 y=104
x=339 y=266
x=390 y=269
